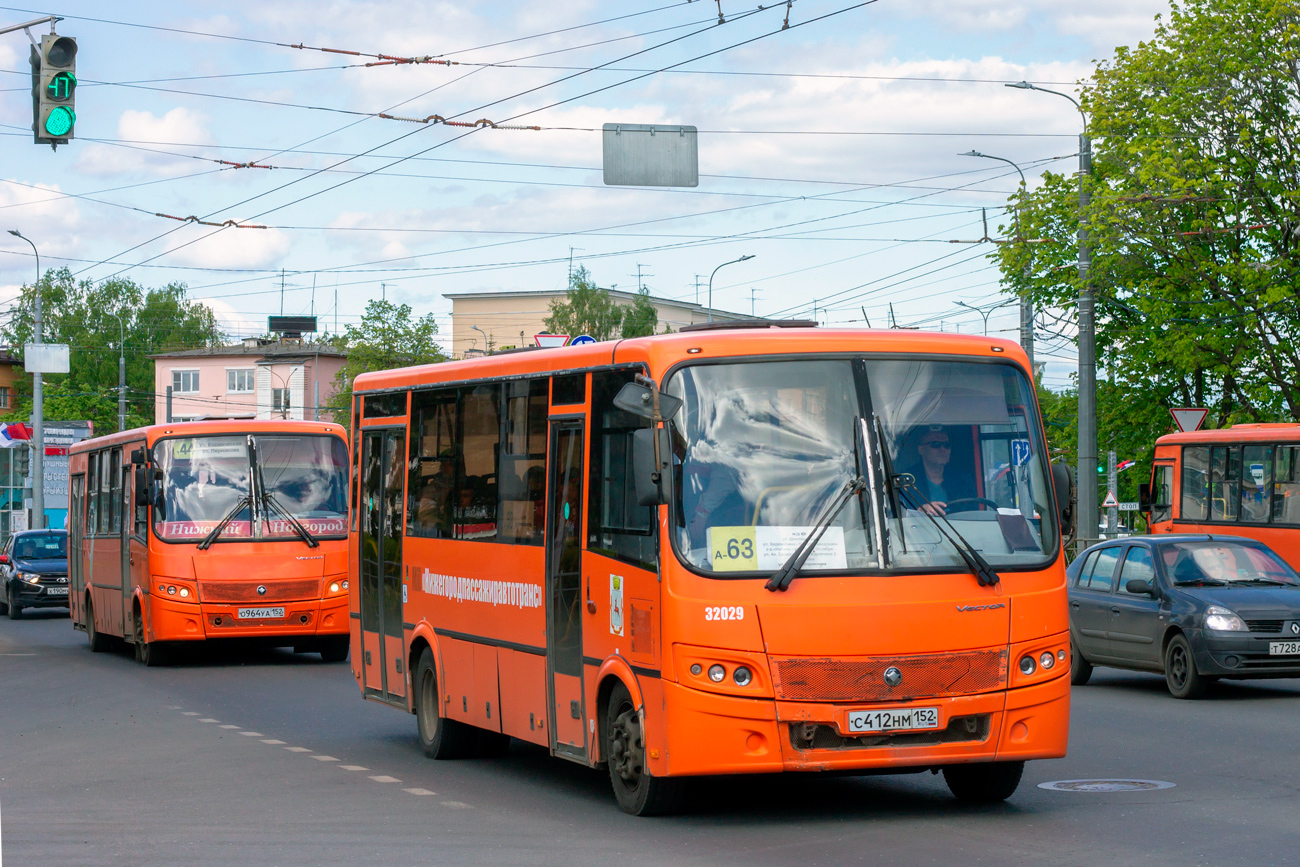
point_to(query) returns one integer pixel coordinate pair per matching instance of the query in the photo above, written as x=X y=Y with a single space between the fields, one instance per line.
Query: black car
x=1196 y=608
x=34 y=571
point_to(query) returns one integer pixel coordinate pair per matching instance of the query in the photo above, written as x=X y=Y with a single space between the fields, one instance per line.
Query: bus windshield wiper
x=782 y=577
x=269 y=501
x=979 y=567
x=245 y=502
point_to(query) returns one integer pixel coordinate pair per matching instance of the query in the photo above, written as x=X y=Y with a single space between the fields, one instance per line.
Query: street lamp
x=121 y=372
x=485 y=338
x=715 y=270
x=1087 y=513
x=38 y=403
x=1026 y=304
x=984 y=313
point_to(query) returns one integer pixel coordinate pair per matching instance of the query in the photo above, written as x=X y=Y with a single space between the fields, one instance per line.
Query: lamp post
x=38 y=403
x=715 y=270
x=121 y=372
x=486 y=347
x=984 y=313
x=1087 y=332
x=1026 y=304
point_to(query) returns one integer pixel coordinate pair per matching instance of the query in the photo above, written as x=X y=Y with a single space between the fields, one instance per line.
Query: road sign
x=1189 y=418
x=651 y=155
x=1020 y=452
x=581 y=339
x=550 y=341
x=1110 y=502
x=1128 y=507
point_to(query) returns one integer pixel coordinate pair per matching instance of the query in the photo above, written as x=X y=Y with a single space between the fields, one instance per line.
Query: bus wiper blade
x=245 y=502
x=979 y=567
x=275 y=503
x=782 y=577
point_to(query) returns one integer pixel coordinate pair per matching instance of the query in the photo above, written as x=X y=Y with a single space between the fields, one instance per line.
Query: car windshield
x=761 y=448
x=206 y=478
x=53 y=546
x=1216 y=561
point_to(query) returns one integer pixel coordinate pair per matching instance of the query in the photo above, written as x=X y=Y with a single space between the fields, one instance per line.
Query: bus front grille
x=246 y=591
x=863 y=678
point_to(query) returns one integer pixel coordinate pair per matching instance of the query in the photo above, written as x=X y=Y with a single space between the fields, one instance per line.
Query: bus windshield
x=760 y=448
x=206 y=478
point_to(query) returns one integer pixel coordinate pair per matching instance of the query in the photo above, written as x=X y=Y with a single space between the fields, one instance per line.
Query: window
x=1286 y=485
x=1162 y=493
x=569 y=389
x=115 y=491
x=240 y=380
x=385 y=405
x=1103 y=571
x=92 y=498
x=4 y=397
x=185 y=381
x=521 y=476
x=1138 y=565
x=475 y=508
x=1225 y=482
x=1081 y=578
x=1196 y=472
x=1256 y=470
x=433 y=466
x=104 y=493
x=617 y=526
x=280 y=401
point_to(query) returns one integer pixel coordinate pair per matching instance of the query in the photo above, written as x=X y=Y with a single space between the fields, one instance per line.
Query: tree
x=640 y=318
x=386 y=337
x=589 y=309
x=1193 y=221
x=96 y=320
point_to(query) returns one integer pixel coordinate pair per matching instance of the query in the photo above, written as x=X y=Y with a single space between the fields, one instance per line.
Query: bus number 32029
x=725 y=612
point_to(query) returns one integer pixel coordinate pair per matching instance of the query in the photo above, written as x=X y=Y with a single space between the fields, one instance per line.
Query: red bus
x=1243 y=481
x=206 y=530
x=722 y=551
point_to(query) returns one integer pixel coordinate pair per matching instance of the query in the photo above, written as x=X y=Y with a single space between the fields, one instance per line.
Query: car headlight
x=29 y=577
x=1220 y=619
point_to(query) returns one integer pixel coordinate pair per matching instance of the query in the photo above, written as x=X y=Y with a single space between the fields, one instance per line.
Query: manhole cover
x=1103 y=786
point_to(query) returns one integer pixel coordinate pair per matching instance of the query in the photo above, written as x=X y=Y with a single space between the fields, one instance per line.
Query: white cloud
x=1106 y=23
x=232 y=322
x=49 y=219
x=145 y=130
x=229 y=248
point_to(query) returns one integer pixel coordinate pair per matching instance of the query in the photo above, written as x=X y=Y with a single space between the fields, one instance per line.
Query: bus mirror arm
x=649 y=453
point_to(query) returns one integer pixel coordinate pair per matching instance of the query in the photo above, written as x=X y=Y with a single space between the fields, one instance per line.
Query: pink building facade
x=256 y=379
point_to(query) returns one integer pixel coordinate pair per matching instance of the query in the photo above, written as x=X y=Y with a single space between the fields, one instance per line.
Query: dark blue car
x=1195 y=608
x=34 y=571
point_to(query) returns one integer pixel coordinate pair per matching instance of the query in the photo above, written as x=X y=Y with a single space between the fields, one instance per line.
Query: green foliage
x=1195 y=203
x=96 y=320
x=589 y=309
x=387 y=337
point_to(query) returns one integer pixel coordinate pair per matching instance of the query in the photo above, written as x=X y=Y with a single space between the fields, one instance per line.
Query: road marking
x=354 y=767
x=251 y=734
x=385 y=779
x=209 y=720
x=228 y=726
x=17 y=654
x=189 y=713
x=325 y=758
x=271 y=741
x=298 y=749
x=173 y=707
x=460 y=805
x=419 y=791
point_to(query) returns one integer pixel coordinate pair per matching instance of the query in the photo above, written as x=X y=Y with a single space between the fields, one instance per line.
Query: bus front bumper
x=707 y=733
x=182 y=621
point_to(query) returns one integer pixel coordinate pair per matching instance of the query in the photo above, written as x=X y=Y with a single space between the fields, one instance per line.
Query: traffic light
x=54 y=89
x=23 y=461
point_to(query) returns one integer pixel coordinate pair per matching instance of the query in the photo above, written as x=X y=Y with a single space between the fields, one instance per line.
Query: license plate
x=260 y=613
x=894 y=719
x=56 y=591
x=1283 y=648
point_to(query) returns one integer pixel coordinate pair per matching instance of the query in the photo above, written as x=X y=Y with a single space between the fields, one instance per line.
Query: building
x=11 y=373
x=259 y=378
x=500 y=320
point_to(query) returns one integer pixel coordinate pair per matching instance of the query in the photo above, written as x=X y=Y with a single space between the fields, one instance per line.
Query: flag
x=14 y=434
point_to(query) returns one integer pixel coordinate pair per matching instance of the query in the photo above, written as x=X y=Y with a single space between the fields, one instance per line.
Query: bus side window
x=1225 y=482
x=475 y=506
x=1256 y=468
x=92 y=495
x=521 y=472
x=1163 y=509
x=432 y=482
x=1286 y=486
x=115 y=491
x=105 y=493
x=1196 y=470
x=616 y=525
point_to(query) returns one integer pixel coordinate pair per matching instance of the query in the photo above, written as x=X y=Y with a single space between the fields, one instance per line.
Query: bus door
x=76 y=532
x=383 y=475
x=123 y=493
x=564 y=589
x=135 y=526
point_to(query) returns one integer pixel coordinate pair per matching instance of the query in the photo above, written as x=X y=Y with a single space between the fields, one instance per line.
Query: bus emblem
x=261 y=590
x=893 y=677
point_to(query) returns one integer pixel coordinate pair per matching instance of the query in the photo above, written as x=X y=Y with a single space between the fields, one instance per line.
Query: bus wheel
x=98 y=641
x=440 y=738
x=1080 y=668
x=150 y=654
x=985 y=783
x=637 y=791
x=335 y=649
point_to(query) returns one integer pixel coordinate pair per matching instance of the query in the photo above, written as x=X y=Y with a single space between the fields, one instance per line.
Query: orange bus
x=713 y=552
x=1242 y=480
x=214 y=529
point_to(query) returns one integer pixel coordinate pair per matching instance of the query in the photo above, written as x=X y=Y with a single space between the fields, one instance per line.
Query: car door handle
x=1074 y=604
x=1115 y=611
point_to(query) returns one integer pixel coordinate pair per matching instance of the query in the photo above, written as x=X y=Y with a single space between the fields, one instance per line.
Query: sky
x=828 y=150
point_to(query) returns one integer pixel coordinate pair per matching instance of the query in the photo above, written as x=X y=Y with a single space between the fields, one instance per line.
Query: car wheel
x=15 y=608
x=4 y=600
x=985 y=783
x=335 y=649
x=637 y=791
x=440 y=738
x=1080 y=668
x=1180 y=670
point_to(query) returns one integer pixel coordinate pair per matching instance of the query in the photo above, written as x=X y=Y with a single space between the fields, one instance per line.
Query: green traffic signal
x=61 y=86
x=59 y=122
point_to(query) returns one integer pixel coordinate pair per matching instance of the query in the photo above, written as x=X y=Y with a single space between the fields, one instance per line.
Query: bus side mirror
x=638 y=399
x=141 y=484
x=137 y=456
x=156 y=495
x=1144 y=497
x=1063 y=487
x=650 y=481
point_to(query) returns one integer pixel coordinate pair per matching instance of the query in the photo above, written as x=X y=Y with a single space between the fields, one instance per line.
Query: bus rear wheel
x=440 y=738
x=335 y=649
x=637 y=792
x=985 y=783
x=98 y=640
x=150 y=654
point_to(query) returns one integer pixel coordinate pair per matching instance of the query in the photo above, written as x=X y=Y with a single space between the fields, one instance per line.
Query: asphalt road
x=260 y=757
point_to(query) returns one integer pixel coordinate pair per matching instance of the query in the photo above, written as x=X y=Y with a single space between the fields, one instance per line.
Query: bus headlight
x=742 y=676
x=1027 y=665
x=717 y=673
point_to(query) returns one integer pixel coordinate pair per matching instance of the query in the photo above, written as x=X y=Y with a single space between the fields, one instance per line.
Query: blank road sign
x=651 y=155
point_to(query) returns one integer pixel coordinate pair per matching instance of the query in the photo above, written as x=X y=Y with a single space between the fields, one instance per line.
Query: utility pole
x=281 y=291
x=752 y=293
x=38 y=434
x=121 y=375
x=1112 y=483
x=169 y=404
x=697 y=288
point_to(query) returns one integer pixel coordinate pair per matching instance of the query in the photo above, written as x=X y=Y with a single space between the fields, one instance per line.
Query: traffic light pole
x=38 y=432
x=11 y=28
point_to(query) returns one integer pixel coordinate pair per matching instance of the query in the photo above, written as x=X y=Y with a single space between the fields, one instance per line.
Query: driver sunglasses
x=937 y=444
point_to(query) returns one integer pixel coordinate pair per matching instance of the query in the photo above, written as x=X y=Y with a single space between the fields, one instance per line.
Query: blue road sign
x=581 y=339
x=1020 y=452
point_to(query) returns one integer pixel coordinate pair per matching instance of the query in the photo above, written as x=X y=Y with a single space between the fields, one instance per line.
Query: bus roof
x=154 y=432
x=662 y=351
x=1237 y=433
